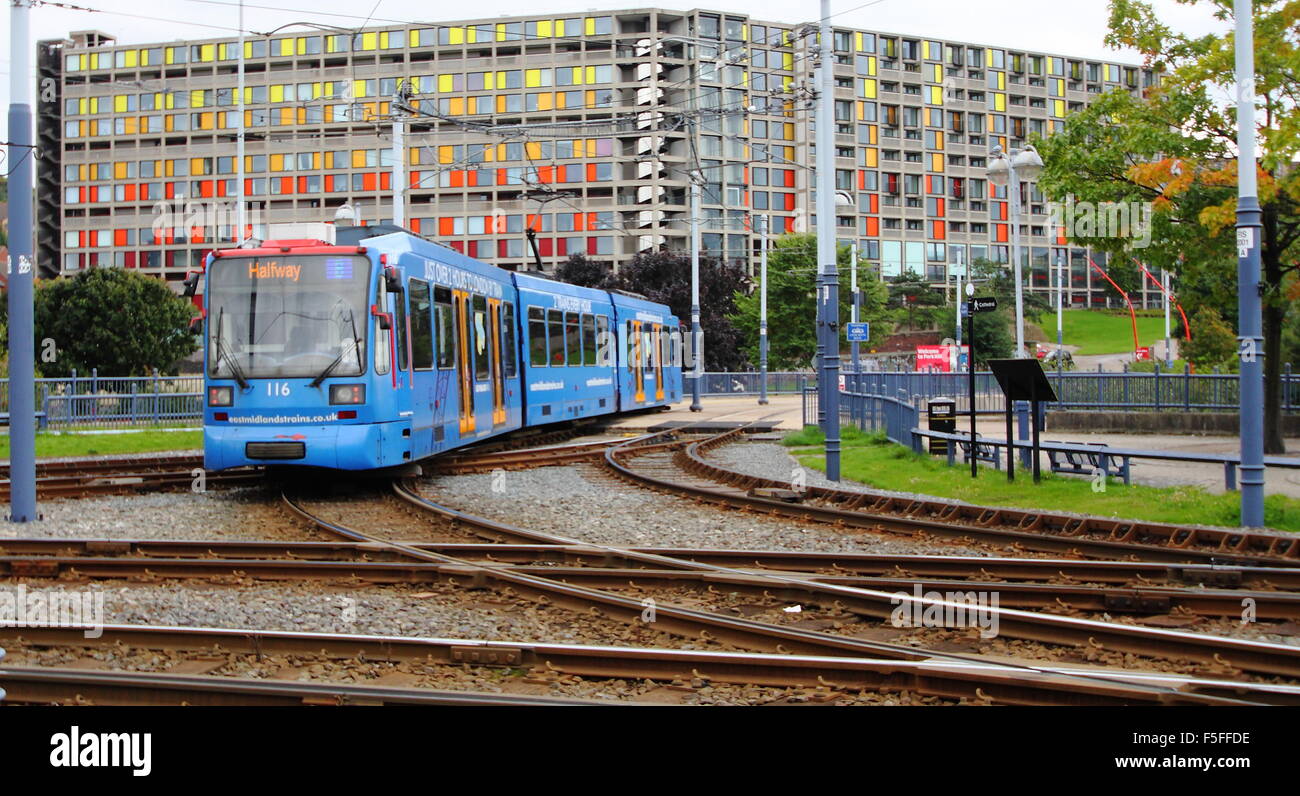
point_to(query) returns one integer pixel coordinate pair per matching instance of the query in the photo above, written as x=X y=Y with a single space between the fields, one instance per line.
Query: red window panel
x=385 y=181
x=579 y=222
x=789 y=225
x=1001 y=214
x=286 y=185
x=415 y=225
x=501 y=248
x=1000 y=233
x=94 y=193
x=873 y=227
x=875 y=202
x=789 y=178
x=471 y=177
x=862 y=180
x=221 y=187
x=745 y=199
x=535 y=222
x=446 y=226
x=929 y=183
x=939 y=206
x=591 y=245
x=329 y=184
x=302 y=185
x=591 y=173
x=457 y=178
x=458 y=245
x=131 y=261
x=789 y=201
x=81 y=239
x=119 y=237
x=368 y=182
x=128 y=192
x=546 y=246
x=501 y=180
x=546 y=174
x=170 y=190
x=1060 y=236
x=471 y=247
x=561 y=246
x=197 y=237
x=206 y=189
x=937 y=229
x=591 y=222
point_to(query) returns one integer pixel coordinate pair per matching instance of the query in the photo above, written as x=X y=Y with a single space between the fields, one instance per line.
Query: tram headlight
x=347 y=394
x=221 y=396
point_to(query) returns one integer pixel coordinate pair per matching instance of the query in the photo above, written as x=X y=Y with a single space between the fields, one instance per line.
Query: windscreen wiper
x=224 y=353
x=356 y=346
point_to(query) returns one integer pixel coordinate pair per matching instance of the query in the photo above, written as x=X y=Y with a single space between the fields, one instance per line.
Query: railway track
x=980 y=682
x=126 y=475
x=686 y=470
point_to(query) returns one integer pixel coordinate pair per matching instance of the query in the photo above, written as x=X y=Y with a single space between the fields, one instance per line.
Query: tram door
x=498 y=364
x=637 y=361
x=657 y=344
x=464 y=368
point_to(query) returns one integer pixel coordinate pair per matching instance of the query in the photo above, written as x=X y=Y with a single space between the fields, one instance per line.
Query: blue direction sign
x=858 y=332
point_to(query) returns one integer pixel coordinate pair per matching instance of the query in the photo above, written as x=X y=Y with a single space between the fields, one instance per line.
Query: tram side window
x=674 y=352
x=665 y=347
x=537 y=337
x=648 y=349
x=555 y=337
x=630 y=337
x=572 y=340
x=399 y=321
x=446 y=329
x=383 y=352
x=509 y=344
x=421 y=325
x=480 y=333
x=605 y=346
x=588 y=339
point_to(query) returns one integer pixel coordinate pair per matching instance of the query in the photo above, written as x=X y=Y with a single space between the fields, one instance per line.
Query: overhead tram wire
x=151 y=18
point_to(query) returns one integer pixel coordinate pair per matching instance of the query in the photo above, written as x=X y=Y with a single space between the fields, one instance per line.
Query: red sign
x=1143 y=353
x=938 y=358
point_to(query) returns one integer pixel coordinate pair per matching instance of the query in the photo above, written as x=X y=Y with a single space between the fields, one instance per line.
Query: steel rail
x=981 y=681
x=51 y=685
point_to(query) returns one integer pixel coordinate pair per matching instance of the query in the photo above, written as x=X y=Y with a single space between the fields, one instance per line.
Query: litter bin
x=943 y=417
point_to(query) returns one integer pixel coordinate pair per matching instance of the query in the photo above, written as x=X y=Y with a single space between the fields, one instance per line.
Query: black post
x=1034 y=408
x=1011 y=445
x=970 y=370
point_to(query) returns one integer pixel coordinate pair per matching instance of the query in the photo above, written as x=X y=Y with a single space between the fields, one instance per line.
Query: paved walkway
x=786 y=410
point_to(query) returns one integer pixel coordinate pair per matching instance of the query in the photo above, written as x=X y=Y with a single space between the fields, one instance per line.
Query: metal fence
x=721 y=383
x=96 y=401
x=1130 y=390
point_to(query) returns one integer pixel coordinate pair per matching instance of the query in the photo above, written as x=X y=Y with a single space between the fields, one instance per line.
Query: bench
x=984 y=452
x=1077 y=462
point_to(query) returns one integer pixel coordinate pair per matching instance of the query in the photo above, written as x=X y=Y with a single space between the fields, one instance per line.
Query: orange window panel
x=119 y=237
x=875 y=202
x=446 y=226
x=873 y=227
x=457 y=178
x=206 y=189
x=415 y=226
x=1000 y=233
x=937 y=229
x=546 y=174
x=939 y=206
x=535 y=222
x=368 y=182
x=286 y=185
x=501 y=177
x=302 y=185
x=591 y=172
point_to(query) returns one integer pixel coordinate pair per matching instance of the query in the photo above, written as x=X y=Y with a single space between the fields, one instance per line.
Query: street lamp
x=1026 y=165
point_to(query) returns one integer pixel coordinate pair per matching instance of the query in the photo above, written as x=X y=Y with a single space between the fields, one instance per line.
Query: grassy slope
x=879 y=463
x=54 y=445
x=1098 y=332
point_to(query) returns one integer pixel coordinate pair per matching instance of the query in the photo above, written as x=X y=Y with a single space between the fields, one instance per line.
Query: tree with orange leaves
x=1176 y=148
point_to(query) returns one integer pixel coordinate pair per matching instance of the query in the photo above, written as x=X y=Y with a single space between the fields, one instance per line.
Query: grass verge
x=1097 y=332
x=58 y=445
x=873 y=460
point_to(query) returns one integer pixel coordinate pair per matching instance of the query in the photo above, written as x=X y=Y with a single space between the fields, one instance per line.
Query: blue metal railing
x=114 y=401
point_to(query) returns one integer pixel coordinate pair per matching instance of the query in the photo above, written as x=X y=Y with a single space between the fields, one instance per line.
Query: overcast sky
x=1069 y=28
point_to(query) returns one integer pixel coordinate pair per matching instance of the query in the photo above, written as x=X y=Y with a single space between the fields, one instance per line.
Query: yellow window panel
x=383 y=40
x=501 y=152
x=119 y=103
x=1058 y=108
x=871 y=134
x=988 y=58
x=412 y=156
x=591 y=148
x=207 y=52
x=937 y=76
x=559 y=29
x=1002 y=81
x=936 y=95
x=196 y=166
x=456 y=36
x=545 y=102
x=872 y=155
x=317 y=90
x=358 y=158
x=196 y=98
x=501 y=103
x=544 y=29
x=938 y=140
x=446 y=153
x=591 y=100
x=81 y=171
x=1000 y=103
x=501 y=31
x=119 y=170
x=789 y=153
x=457 y=106
x=471 y=34
x=82 y=105
x=169 y=56
x=413 y=38
x=532 y=78
x=369 y=41
x=787 y=61
x=131 y=58
x=788 y=131
x=590 y=27
x=591 y=74
x=276 y=94
x=858 y=41
x=170 y=101
x=445 y=83
x=936 y=162
x=533 y=150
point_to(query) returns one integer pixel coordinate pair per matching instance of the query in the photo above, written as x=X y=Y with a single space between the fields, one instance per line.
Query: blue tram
x=379 y=348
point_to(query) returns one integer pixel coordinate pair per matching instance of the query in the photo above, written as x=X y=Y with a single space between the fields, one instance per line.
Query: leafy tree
x=665 y=277
x=578 y=270
x=914 y=300
x=1176 y=149
x=1214 y=345
x=122 y=322
x=994 y=338
x=792 y=303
